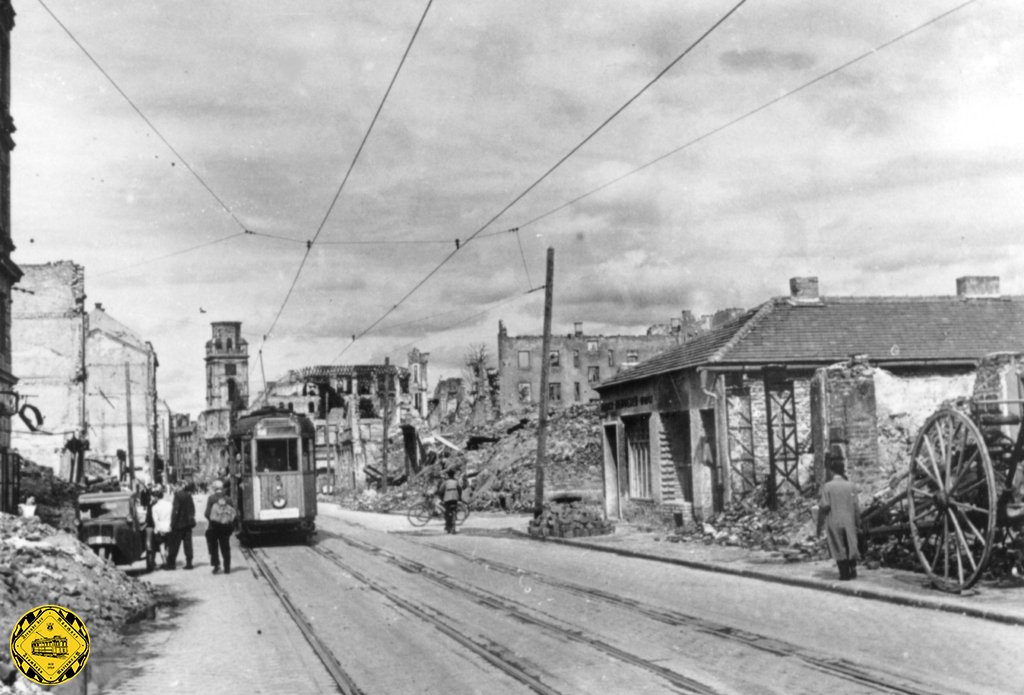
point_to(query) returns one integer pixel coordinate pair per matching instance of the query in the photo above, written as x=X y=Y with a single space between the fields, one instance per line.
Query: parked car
x=111 y=524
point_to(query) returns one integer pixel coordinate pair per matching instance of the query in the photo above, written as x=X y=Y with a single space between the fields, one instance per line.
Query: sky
x=892 y=176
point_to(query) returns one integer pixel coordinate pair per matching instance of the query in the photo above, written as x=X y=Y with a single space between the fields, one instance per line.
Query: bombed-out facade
x=755 y=403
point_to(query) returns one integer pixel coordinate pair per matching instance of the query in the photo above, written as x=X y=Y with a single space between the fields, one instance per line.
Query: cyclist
x=450 y=491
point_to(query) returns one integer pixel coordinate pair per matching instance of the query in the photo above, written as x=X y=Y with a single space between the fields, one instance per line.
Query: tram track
x=836 y=667
x=260 y=569
x=681 y=682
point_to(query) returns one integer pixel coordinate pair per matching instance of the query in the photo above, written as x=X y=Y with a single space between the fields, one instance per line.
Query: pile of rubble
x=56 y=499
x=789 y=531
x=40 y=565
x=570 y=519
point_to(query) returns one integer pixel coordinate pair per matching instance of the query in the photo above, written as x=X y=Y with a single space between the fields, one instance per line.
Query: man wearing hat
x=842 y=516
x=221 y=515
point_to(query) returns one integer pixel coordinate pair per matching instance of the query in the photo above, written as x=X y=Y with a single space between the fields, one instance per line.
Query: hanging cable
x=380 y=107
x=752 y=112
x=142 y=115
x=170 y=255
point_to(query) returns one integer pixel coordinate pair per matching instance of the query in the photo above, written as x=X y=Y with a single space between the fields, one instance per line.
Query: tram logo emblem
x=50 y=645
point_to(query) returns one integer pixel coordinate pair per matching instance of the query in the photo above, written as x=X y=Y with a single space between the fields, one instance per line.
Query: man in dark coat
x=183 y=520
x=450 y=492
x=842 y=517
x=218 y=535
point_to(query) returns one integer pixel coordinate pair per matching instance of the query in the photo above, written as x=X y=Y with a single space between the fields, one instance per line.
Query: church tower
x=227 y=367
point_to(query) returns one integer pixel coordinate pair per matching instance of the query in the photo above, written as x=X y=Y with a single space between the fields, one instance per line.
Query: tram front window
x=277 y=456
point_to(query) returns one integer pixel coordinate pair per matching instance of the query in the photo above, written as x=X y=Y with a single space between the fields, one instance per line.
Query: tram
x=273 y=476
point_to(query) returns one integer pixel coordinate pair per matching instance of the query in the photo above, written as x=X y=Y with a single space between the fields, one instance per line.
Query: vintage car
x=111 y=524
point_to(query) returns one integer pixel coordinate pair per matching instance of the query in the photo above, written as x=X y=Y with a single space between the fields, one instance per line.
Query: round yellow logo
x=50 y=645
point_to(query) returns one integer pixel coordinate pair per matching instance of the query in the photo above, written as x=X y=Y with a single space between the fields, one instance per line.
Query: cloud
x=764 y=59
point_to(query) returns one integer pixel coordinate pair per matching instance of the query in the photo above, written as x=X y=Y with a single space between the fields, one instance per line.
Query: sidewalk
x=988 y=601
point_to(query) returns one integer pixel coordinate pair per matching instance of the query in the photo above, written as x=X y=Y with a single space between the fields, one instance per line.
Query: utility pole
x=387 y=416
x=128 y=407
x=542 y=420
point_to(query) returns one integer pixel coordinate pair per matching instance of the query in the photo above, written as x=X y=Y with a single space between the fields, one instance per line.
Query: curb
x=859 y=592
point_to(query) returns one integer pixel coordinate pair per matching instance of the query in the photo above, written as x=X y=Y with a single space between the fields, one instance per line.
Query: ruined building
x=121 y=397
x=48 y=331
x=755 y=403
x=578 y=361
x=227 y=393
x=9 y=272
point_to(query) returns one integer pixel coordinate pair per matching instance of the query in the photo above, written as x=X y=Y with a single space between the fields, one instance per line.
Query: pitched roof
x=887 y=329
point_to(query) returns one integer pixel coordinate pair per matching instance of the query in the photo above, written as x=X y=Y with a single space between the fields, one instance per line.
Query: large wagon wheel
x=951 y=498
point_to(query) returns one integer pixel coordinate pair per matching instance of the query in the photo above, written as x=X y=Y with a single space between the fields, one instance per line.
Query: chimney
x=677 y=325
x=577 y=328
x=803 y=289
x=100 y=306
x=977 y=286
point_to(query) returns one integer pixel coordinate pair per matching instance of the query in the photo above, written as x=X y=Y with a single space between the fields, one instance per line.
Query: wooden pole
x=128 y=408
x=542 y=420
x=387 y=416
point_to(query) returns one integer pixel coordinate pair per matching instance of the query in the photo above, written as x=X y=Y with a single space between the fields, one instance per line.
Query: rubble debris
x=56 y=499
x=570 y=520
x=40 y=565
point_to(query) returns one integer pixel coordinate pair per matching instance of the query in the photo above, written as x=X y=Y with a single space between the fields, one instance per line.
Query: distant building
x=578 y=361
x=183 y=449
x=48 y=330
x=227 y=393
x=121 y=367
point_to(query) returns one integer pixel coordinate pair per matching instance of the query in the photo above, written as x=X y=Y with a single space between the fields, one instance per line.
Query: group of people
x=172 y=521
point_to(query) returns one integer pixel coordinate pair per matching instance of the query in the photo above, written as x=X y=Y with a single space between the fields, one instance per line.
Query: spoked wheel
x=420 y=515
x=951 y=499
x=461 y=512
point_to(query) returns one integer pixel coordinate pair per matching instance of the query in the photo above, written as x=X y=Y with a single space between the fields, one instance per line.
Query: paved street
x=400 y=610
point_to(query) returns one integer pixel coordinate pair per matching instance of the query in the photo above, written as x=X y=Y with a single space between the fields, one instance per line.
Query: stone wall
x=48 y=335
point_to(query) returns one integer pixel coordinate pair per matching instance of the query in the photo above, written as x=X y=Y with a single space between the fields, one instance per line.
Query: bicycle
x=419 y=514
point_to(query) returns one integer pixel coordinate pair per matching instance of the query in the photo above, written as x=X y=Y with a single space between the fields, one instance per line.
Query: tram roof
x=248 y=423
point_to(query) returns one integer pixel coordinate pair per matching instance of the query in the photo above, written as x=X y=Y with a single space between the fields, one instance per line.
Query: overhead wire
x=171 y=255
x=355 y=158
x=547 y=173
x=142 y=115
x=752 y=112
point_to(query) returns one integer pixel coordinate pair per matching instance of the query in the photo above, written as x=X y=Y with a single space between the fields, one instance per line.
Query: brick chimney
x=803 y=289
x=977 y=286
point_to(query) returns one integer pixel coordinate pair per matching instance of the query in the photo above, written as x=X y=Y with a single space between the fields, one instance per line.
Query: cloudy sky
x=894 y=175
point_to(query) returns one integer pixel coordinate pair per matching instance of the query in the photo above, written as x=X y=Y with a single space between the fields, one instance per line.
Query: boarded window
x=638 y=449
x=524 y=359
x=554 y=392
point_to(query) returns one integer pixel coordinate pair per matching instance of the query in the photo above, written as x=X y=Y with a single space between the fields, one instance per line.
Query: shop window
x=611 y=358
x=524 y=359
x=638 y=450
x=576 y=390
x=524 y=392
x=555 y=392
x=576 y=359
x=632 y=356
x=594 y=374
x=555 y=359
x=591 y=346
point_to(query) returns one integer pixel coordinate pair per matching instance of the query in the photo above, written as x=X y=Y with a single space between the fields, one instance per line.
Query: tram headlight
x=279 y=502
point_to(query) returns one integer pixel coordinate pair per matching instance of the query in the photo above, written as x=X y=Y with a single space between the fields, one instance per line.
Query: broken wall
x=48 y=330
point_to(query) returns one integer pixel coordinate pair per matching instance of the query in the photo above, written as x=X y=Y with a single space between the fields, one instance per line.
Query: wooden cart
x=962 y=502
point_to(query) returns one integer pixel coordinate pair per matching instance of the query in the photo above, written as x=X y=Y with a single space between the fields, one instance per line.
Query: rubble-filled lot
x=41 y=565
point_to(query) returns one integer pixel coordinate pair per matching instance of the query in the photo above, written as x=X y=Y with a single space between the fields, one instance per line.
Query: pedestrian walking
x=842 y=517
x=183 y=520
x=450 y=492
x=221 y=515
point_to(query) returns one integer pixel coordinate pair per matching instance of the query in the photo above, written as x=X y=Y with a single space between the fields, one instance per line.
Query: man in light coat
x=842 y=518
